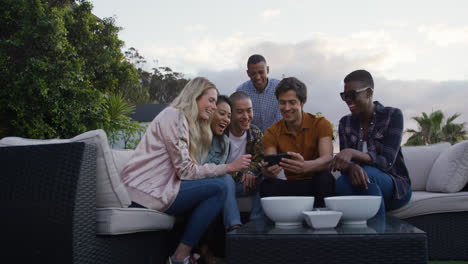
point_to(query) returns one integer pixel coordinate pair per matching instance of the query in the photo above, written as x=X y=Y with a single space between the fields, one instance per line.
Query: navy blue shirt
x=383 y=143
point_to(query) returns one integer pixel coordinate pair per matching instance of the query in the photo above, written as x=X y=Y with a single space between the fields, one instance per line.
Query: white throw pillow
x=110 y=192
x=450 y=171
x=419 y=161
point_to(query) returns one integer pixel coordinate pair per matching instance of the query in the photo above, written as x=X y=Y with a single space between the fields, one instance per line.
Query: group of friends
x=205 y=150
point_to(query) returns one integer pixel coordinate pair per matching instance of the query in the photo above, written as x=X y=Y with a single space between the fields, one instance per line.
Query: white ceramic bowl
x=356 y=209
x=286 y=211
x=322 y=219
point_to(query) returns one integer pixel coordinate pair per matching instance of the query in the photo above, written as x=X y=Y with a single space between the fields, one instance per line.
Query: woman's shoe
x=234 y=227
x=187 y=260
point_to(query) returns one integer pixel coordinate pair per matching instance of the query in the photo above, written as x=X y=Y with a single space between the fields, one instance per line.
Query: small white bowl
x=322 y=219
x=286 y=211
x=356 y=209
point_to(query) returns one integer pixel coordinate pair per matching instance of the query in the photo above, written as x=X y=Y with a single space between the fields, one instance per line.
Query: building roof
x=147 y=112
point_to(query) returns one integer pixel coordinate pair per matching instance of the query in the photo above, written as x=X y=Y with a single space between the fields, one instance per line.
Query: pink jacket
x=161 y=161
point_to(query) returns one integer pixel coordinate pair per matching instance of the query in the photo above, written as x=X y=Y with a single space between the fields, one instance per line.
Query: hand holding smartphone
x=275 y=158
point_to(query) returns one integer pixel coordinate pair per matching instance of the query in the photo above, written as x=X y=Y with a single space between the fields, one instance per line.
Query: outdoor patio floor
x=447 y=262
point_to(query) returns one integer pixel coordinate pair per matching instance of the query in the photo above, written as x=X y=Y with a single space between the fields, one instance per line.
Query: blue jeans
x=381 y=185
x=206 y=197
x=231 y=212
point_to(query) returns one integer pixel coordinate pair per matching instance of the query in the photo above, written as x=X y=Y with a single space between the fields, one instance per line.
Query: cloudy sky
x=416 y=50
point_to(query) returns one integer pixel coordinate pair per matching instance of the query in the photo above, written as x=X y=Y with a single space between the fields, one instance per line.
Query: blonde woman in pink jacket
x=164 y=172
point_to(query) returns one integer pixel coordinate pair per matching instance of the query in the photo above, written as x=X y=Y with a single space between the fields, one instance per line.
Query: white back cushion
x=419 y=161
x=450 y=171
x=121 y=157
x=110 y=192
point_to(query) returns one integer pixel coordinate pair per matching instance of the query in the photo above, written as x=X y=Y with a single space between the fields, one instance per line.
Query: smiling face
x=363 y=99
x=242 y=116
x=221 y=118
x=258 y=75
x=291 y=107
x=207 y=104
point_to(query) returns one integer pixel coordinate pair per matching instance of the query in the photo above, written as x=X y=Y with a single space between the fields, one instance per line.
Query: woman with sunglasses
x=370 y=158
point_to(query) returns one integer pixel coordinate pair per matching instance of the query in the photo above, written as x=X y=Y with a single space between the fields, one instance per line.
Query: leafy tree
x=162 y=85
x=141 y=94
x=44 y=91
x=58 y=66
x=432 y=130
x=166 y=85
x=96 y=41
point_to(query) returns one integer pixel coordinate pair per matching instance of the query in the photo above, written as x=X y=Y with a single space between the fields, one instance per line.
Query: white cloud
x=269 y=14
x=205 y=52
x=322 y=63
x=195 y=28
x=382 y=50
x=443 y=35
x=323 y=74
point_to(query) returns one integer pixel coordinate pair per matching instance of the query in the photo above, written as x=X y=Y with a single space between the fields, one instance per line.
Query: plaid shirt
x=265 y=105
x=254 y=147
x=383 y=143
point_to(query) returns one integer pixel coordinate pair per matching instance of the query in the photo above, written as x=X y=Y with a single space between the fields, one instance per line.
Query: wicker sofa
x=66 y=204
x=439 y=204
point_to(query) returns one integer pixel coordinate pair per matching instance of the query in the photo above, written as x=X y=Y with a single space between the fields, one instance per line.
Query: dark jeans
x=204 y=199
x=321 y=185
x=381 y=185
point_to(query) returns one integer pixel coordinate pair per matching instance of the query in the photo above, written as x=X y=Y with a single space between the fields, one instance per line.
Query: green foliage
x=45 y=93
x=57 y=64
x=97 y=41
x=140 y=95
x=432 y=130
x=162 y=85
x=120 y=127
x=166 y=85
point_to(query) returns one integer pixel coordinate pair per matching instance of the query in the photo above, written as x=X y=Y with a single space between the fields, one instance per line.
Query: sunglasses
x=352 y=94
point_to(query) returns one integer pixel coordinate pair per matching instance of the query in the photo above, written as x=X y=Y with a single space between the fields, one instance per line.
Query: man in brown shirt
x=307 y=139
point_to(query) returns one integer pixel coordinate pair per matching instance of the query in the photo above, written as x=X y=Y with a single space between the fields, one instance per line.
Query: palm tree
x=120 y=126
x=454 y=133
x=432 y=130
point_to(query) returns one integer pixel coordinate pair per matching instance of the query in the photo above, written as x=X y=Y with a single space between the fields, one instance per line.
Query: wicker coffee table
x=386 y=240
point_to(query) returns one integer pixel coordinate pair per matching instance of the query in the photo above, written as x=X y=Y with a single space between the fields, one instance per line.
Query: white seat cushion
x=110 y=192
x=450 y=170
x=116 y=221
x=423 y=203
x=419 y=161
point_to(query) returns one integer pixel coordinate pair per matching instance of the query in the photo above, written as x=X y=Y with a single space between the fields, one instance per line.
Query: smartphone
x=275 y=158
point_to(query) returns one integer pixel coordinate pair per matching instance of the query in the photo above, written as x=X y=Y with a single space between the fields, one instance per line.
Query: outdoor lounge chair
x=48 y=202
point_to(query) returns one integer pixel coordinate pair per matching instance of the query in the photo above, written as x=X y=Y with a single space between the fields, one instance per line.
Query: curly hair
x=362 y=76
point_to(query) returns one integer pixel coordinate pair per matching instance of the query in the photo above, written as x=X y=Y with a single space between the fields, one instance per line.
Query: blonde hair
x=200 y=134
